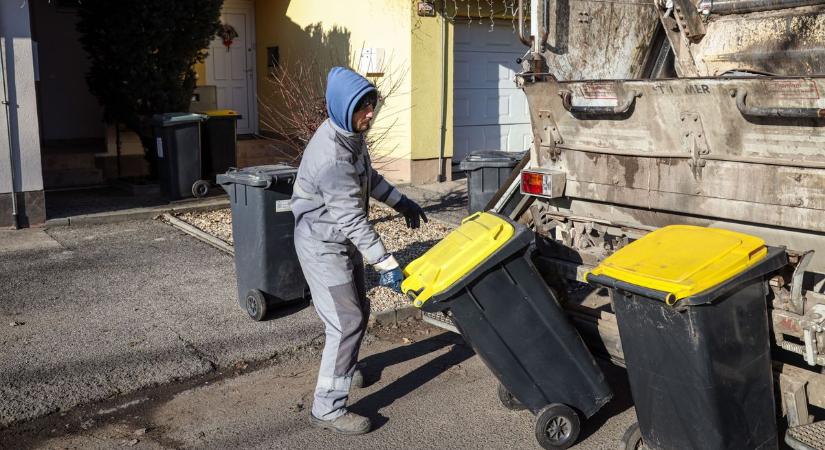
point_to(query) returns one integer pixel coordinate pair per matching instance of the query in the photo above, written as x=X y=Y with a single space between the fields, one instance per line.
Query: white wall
x=16 y=45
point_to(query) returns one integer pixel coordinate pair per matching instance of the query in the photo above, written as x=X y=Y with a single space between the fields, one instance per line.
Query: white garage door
x=490 y=111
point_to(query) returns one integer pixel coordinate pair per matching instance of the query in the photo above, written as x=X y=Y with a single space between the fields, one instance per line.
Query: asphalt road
x=99 y=311
x=130 y=334
x=433 y=393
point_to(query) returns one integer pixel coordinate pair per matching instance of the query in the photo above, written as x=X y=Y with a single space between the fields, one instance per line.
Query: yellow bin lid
x=683 y=260
x=478 y=237
x=221 y=113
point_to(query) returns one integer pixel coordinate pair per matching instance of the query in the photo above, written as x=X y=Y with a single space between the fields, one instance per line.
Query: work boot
x=349 y=423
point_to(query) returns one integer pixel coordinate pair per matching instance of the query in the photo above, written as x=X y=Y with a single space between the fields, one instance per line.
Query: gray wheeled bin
x=486 y=171
x=267 y=267
x=178 y=149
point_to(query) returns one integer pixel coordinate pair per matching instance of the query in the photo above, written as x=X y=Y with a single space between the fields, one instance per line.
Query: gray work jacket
x=331 y=194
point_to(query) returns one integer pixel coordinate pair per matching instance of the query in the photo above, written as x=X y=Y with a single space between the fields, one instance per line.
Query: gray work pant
x=335 y=274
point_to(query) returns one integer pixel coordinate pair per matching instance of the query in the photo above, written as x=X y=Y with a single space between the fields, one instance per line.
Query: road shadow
x=622 y=400
x=372 y=404
x=281 y=310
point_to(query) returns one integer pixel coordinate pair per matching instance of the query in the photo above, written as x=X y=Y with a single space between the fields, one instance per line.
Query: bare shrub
x=294 y=106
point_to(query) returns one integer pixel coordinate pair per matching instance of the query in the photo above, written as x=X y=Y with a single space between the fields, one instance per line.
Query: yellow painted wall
x=428 y=71
x=200 y=70
x=332 y=30
x=327 y=30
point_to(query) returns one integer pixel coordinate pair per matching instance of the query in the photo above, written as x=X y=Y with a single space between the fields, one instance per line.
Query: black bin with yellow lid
x=483 y=274
x=691 y=306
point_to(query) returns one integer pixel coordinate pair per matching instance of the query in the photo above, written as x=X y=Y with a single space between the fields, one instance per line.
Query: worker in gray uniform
x=330 y=202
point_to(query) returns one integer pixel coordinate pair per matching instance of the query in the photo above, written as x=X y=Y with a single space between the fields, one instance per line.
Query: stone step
x=64 y=161
x=72 y=177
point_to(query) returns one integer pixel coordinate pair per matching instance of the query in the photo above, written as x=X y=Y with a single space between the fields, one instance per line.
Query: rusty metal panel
x=785 y=42
x=599 y=39
x=690 y=148
x=661 y=112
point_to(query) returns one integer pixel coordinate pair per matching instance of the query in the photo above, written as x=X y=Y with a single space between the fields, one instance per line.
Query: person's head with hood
x=351 y=100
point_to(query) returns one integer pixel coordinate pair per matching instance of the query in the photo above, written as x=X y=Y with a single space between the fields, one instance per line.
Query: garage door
x=490 y=111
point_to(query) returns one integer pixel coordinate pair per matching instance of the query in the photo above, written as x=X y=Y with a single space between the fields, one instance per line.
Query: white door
x=490 y=112
x=232 y=70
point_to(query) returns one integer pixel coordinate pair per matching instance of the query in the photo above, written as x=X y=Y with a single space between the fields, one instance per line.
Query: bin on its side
x=220 y=142
x=178 y=148
x=486 y=171
x=483 y=273
x=691 y=306
x=268 y=271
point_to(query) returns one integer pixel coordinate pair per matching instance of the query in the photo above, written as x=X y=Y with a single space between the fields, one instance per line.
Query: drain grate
x=807 y=437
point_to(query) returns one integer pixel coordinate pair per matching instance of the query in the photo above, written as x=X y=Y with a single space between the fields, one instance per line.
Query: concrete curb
x=139 y=213
x=199 y=234
x=390 y=317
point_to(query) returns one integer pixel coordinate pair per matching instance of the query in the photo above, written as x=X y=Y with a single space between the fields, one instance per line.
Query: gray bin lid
x=480 y=159
x=171 y=119
x=259 y=176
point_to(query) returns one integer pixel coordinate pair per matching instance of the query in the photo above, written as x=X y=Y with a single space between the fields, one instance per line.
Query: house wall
x=432 y=69
x=325 y=31
x=19 y=131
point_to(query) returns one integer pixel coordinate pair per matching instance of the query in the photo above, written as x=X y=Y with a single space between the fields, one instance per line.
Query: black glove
x=411 y=211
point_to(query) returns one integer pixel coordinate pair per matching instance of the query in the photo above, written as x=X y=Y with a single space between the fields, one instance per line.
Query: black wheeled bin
x=483 y=274
x=691 y=305
x=267 y=267
x=220 y=142
x=486 y=171
x=178 y=149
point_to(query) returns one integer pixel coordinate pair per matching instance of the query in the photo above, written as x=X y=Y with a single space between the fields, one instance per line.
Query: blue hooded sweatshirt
x=344 y=89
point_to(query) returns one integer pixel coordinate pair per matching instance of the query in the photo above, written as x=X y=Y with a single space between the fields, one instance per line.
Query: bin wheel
x=557 y=426
x=256 y=305
x=200 y=188
x=632 y=438
x=507 y=400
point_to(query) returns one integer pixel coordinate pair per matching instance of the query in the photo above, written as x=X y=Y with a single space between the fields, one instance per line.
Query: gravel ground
x=404 y=243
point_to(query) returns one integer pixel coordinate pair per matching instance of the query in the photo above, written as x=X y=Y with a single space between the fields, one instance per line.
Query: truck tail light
x=543 y=182
x=531 y=183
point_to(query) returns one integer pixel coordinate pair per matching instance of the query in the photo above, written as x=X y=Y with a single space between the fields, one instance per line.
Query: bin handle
x=413 y=294
x=667 y=297
x=774 y=111
x=623 y=108
x=469 y=218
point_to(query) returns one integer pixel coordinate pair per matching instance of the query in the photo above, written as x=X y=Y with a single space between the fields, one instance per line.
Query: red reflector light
x=531 y=183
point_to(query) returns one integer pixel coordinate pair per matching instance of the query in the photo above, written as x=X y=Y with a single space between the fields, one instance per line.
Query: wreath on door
x=227 y=33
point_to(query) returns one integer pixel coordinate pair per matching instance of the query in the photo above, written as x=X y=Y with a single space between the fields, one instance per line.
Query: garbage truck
x=707 y=113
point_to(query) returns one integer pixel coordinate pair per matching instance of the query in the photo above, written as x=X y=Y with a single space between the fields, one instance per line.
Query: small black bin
x=486 y=171
x=699 y=365
x=513 y=321
x=267 y=267
x=178 y=150
x=220 y=142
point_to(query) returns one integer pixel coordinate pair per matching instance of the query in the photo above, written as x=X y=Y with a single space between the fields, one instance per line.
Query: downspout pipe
x=14 y=212
x=442 y=166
